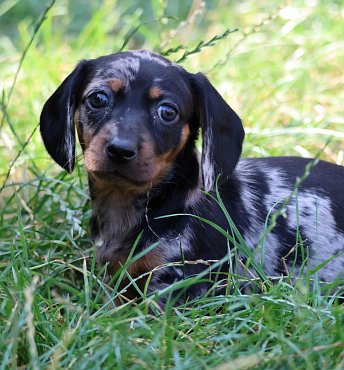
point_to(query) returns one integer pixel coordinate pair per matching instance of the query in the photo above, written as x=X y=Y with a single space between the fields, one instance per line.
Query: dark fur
x=166 y=175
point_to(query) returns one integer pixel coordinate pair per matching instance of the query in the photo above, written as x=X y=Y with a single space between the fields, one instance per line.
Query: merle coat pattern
x=138 y=116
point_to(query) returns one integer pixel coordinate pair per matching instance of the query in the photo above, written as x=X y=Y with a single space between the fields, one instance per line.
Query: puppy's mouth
x=118 y=177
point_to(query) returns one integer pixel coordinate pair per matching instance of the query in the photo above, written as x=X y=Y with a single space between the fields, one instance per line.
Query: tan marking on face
x=96 y=160
x=148 y=168
x=155 y=93
x=83 y=134
x=87 y=137
x=77 y=124
x=163 y=162
x=118 y=186
x=184 y=136
x=116 y=84
x=94 y=156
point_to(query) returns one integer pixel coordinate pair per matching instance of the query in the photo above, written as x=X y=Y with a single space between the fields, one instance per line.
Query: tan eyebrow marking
x=155 y=92
x=116 y=84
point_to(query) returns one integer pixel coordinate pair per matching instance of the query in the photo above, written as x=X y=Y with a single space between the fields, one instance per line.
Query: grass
x=281 y=69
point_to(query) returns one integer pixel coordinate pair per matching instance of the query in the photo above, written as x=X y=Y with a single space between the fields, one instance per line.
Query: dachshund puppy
x=138 y=117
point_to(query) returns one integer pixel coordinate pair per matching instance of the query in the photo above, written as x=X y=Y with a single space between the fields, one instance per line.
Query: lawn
x=279 y=64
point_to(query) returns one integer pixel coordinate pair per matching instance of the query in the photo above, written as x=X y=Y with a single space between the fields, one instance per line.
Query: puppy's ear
x=222 y=133
x=57 y=119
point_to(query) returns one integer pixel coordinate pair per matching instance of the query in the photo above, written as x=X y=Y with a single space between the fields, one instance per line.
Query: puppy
x=138 y=116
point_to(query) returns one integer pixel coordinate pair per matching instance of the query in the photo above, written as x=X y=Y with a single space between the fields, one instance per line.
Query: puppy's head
x=135 y=113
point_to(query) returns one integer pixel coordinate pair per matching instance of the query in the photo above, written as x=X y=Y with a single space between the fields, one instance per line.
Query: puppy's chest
x=115 y=229
x=113 y=224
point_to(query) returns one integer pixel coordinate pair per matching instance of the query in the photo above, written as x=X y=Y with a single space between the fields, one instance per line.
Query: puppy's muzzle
x=121 y=150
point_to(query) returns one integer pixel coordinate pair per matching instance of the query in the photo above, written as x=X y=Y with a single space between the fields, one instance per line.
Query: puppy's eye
x=167 y=112
x=98 y=100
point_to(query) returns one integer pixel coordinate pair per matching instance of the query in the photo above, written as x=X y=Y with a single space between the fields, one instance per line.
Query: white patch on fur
x=314 y=214
x=176 y=245
x=256 y=221
x=148 y=55
x=69 y=142
x=195 y=196
x=207 y=162
x=126 y=67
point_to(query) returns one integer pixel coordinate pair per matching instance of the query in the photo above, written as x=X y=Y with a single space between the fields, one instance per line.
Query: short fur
x=142 y=167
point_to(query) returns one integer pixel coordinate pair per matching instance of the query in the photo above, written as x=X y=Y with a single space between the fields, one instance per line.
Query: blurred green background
x=282 y=70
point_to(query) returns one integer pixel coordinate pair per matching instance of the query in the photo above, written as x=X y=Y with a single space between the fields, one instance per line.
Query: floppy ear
x=222 y=133
x=57 y=119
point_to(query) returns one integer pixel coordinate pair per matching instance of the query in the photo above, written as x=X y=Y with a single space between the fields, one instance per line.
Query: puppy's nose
x=121 y=150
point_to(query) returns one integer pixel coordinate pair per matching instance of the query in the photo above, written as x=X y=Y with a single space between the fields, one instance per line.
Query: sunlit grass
x=281 y=71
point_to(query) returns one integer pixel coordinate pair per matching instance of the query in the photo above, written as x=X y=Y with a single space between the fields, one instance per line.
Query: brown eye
x=98 y=100
x=167 y=112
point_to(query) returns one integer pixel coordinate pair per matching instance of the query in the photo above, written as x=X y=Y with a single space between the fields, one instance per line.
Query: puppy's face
x=133 y=118
x=135 y=113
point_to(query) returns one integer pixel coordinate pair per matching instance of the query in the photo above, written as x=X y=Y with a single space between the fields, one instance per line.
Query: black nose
x=121 y=150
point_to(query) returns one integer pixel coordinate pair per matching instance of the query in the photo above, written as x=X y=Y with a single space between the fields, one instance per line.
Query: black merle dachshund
x=138 y=116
